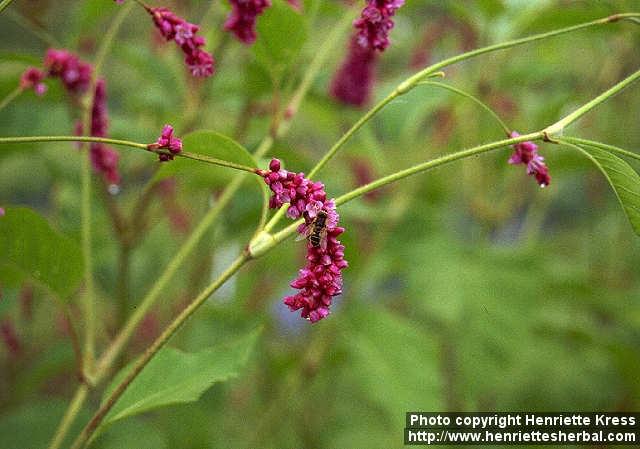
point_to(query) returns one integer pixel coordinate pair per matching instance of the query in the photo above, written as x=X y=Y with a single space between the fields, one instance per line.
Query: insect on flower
x=316 y=232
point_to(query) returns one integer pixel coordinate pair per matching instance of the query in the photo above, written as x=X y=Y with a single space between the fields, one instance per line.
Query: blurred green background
x=469 y=288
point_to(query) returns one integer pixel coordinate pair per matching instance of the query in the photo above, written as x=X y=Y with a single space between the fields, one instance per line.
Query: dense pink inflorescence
x=375 y=23
x=527 y=153
x=353 y=82
x=242 y=19
x=32 y=79
x=321 y=278
x=173 y=27
x=74 y=73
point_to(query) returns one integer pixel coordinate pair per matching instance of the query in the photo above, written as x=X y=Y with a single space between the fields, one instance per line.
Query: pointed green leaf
x=31 y=247
x=624 y=180
x=200 y=174
x=174 y=376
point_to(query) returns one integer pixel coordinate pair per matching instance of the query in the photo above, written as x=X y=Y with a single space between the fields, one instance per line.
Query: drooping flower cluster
x=375 y=23
x=74 y=73
x=321 y=278
x=353 y=82
x=173 y=27
x=76 y=79
x=103 y=158
x=527 y=153
x=242 y=19
x=168 y=142
x=32 y=79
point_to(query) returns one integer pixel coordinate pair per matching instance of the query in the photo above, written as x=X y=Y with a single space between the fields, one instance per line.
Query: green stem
x=480 y=103
x=413 y=80
x=602 y=146
x=90 y=324
x=125 y=334
x=118 y=344
x=25 y=139
x=409 y=83
x=4 y=4
x=475 y=151
x=127 y=143
x=169 y=331
x=15 y=93
x=74 y=408
x=557 y=128
x=214 y=161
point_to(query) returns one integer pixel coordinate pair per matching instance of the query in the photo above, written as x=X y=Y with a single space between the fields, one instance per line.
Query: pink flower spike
x=242 y=19
x=375 y=23
x=526 y=153
x=172 y=27
x=32 y=79
x=353 y=82
x=321 y=278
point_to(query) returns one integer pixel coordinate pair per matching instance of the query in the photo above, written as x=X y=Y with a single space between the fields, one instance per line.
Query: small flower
x=183 y=33
x=321 y=278
x=242 y=19
x=375 y=23
x=353 y=82
x=2 y=212
x=32 y=79
x=74 y=73
x=527 y=153
x=168 y=142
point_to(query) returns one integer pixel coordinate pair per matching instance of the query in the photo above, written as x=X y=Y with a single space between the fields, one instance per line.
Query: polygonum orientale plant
x=90 y=272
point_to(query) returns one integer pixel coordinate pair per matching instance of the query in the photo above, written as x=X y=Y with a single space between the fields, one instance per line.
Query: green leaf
x=174 y=376
x=29 y=245
x=202 y=175
x=281 y=34
x=624 y=180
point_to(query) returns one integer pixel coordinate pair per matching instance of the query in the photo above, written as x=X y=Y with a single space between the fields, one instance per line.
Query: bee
x=316 y=232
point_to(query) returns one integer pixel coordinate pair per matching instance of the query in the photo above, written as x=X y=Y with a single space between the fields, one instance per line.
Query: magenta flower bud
x=321 y=278
x=169 y=142
x=242 y=19
x=526 y=153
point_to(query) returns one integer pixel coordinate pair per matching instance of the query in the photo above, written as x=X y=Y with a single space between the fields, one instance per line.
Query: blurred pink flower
x=32 y=79
x=242 y=19
x=353 y=82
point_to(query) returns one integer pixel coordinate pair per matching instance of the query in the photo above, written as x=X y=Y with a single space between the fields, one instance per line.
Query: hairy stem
x=127 y=143
x=169 y=331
